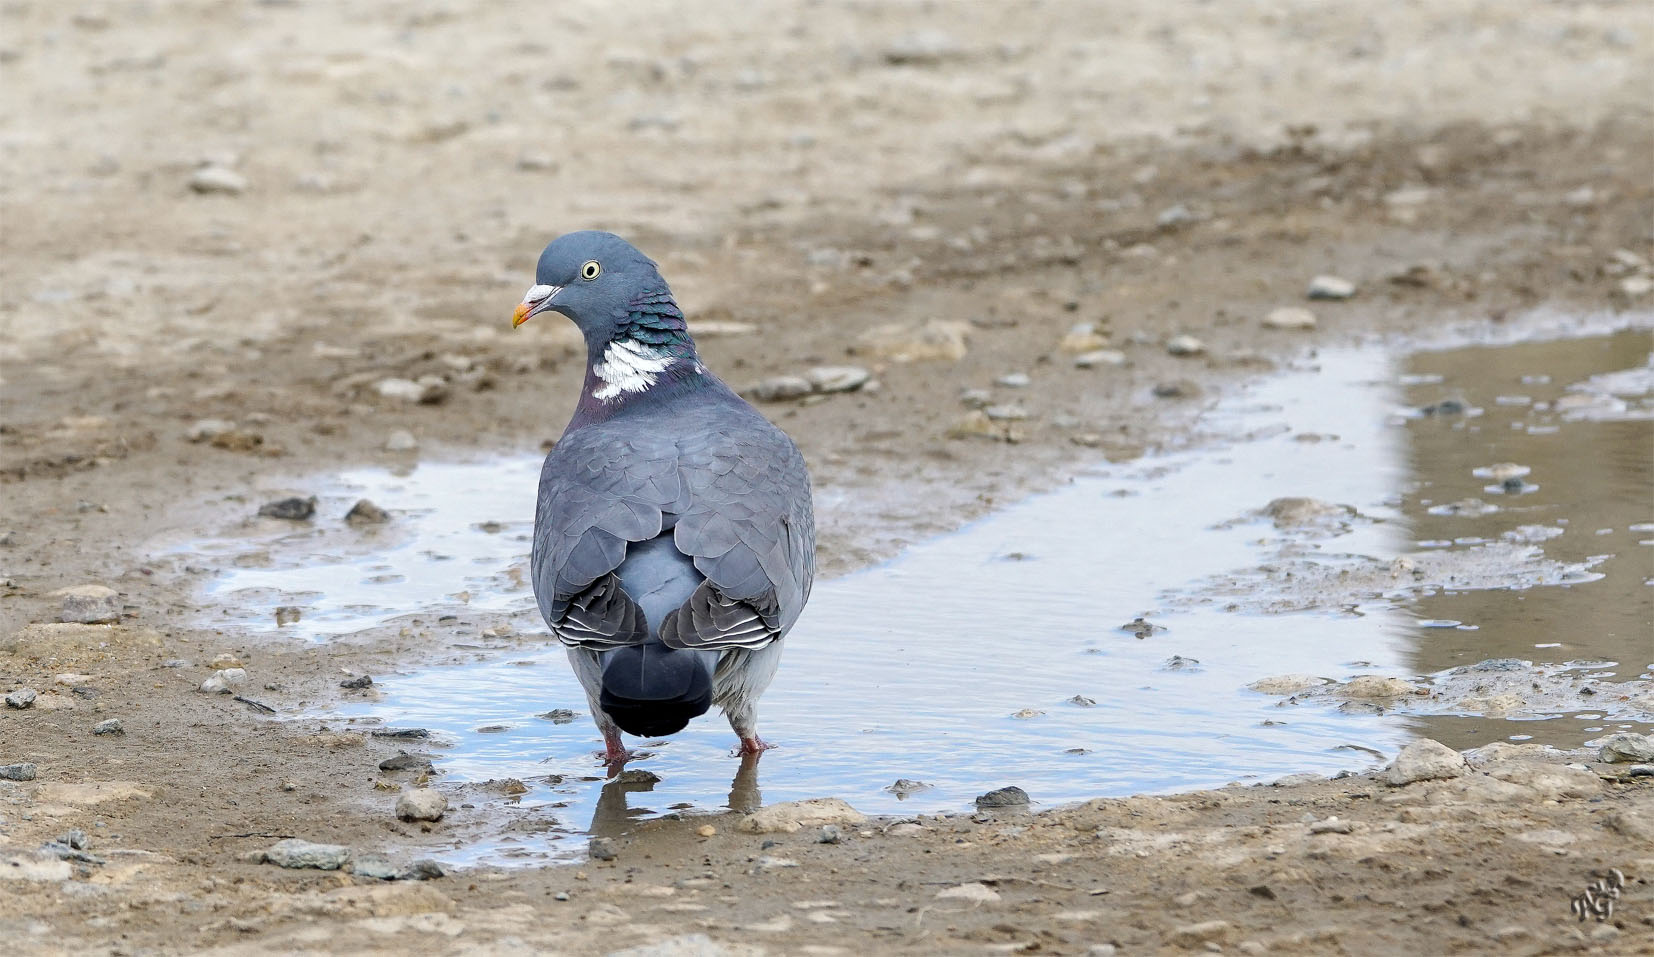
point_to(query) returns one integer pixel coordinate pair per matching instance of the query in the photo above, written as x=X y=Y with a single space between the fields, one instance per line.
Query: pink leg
x=615 y=754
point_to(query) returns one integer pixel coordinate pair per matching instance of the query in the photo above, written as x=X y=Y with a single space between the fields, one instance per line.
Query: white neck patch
x=628 y=366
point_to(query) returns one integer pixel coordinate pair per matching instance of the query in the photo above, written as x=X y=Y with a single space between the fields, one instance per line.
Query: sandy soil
x=813 y=173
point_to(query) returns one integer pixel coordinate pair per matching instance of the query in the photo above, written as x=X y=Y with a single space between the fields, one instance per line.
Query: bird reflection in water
x=613 y=816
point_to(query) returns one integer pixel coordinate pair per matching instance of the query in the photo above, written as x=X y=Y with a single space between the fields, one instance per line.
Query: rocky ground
x=246 y=243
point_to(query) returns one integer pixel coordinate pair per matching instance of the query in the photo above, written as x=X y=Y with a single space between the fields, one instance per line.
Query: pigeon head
x=594 y=278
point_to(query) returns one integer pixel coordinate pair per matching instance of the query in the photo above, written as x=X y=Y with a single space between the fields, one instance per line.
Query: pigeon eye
x=590 y=270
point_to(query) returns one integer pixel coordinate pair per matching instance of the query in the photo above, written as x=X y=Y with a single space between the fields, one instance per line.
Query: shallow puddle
x=1096 y=640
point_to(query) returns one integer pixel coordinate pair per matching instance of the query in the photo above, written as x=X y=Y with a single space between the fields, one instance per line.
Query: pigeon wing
x=599 y=491
x=751 y=531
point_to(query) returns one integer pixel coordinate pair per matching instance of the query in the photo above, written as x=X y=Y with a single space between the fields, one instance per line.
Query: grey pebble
x=1178 y=389
x=360 y=681
x=1185 y=346
x=837 y=378
x=178 y=663
x=1330 y=287
x=423 y=869
x=375 y=866
x=297 y=854
x=218 y=179
x=401 y=734
x=1013 y=380
x=602 y=849
x=1082 y=701
x=559 y=716
x=401 y=440
x=293 y=509
x=1006 y=413
x=421 y=804
x=365 y=512
x=1012 y=796
x=780 y=388
x=1174 y=216
x=405 y=762
x=17 y=772
x=287 y=614
x=109 y=726
x=975 y=398
x=21 y=698
x=905 y=786
x=90 y=605
x=1627 y=747
x=829 y=834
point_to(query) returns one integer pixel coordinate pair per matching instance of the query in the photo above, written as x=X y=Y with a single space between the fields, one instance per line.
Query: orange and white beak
x=535 y=301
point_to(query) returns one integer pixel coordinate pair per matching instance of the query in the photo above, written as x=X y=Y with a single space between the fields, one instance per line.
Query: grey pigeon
x=674 y=542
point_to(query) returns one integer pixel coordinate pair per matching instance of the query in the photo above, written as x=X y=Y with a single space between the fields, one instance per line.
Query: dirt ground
x=256 y=212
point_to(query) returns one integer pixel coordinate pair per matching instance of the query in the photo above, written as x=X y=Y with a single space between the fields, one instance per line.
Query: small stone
x=1331 y=825
x=906 y=786
x=1177 y=389
x=1012 y=796
x=287 y=614
x=1005 y=413
x=109 y=726
x=293 y=509
x=602 y=849
x=1287 y=684
x=365 y=512
x=221 y=682
x=1174 y=216
x=297 y=854
x=975 y=398
x=204 y=430
x=23 y=771
x=1185 y=346
x=226 y=660
x=1013 y=380
x=405 y=762
x=904 y=829
x=429 y=390
x=559 y=716
x=974 y=424
x=1425 y=760
x=837 y=378
x=1026 y=713
x=1289 y=317
x=421 y=804
x=788 y=817
x=423 y=869
x=1082 y=338
x=401 y=440
x=706 y=830
x=829 y=834
x=781 y=388
x=1625 y=747
x=88 y=604
x=218 y=179
x=975 y=891
x=357 y=683
x=937 y=339
x=922 y=48
x=1098 y=358
x=374 y=866
x=1330 y=287
x=21 y=698
x=536 y=162
x=1637 y=286
x=1293 y=511
x=707 y=328
x=1082 y=701
x=1368 y=687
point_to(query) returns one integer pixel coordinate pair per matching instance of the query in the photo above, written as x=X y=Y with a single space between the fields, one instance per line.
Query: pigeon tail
x=650 y=689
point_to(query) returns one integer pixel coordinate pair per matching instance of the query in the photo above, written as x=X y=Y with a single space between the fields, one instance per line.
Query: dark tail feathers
x=651 y=690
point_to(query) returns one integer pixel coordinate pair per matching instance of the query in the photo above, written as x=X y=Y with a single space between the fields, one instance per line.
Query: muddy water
x=996 y=655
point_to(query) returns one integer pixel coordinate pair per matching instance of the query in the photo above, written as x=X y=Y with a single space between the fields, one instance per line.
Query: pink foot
x=753 y=745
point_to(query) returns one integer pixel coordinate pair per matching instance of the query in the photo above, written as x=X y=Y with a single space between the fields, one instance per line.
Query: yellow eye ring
x=590 y=270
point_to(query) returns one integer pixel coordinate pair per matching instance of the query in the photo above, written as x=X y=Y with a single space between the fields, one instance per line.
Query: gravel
x=23 y=771
x=21 y=698
x=405 y=762
x=829 y=834
x=109 y=726
x=602 y=849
